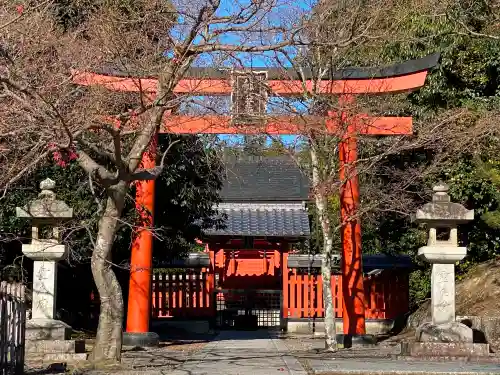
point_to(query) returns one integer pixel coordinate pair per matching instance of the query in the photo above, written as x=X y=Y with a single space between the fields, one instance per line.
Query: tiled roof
x=270 y=220
x=263 y=180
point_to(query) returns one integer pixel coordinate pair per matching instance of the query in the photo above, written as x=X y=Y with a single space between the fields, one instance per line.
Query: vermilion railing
x=190 y=295
x=386 y=295
x=182 y=295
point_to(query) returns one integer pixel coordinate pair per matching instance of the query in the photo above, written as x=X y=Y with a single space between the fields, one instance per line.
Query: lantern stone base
x=55 y=351
x=55 y=346
x=48 y=341
x=50 y=359
x=47 y=329
x=453 y=332
x=444 y=349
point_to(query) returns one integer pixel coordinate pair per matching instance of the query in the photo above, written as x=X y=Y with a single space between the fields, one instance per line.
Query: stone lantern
x=46 y=214
x=444 y=335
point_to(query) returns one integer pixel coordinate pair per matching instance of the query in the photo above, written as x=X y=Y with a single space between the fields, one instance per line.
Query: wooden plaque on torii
x=249 y=97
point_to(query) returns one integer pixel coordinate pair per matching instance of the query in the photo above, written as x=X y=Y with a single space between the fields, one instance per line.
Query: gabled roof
x=263 y=220
x=254 y=179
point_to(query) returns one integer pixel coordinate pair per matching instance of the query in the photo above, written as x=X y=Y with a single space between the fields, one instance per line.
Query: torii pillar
x=141 y=261
x=348 y=127
x=353 y=293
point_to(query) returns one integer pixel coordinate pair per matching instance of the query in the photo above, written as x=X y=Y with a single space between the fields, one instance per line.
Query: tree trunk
x=108 y=343
x=321 y=200
x=329 y=305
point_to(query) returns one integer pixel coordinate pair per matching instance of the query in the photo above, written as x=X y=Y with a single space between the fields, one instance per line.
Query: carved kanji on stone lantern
x=46 y=214
x=443 y=251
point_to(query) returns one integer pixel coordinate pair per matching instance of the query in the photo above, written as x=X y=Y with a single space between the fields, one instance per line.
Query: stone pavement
x=377 y=360
x=242 y=353
x=377 y=366
x=263 y=353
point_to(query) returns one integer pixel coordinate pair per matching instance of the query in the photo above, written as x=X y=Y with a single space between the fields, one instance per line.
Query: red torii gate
x=348 y=83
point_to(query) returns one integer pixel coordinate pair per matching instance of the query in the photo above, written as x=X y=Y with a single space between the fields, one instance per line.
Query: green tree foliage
x=185 y=194
x=254 y=144
x=468 y=77
x=490 y=170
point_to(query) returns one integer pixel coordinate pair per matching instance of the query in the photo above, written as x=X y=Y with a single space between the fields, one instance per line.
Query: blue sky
x=284 y=11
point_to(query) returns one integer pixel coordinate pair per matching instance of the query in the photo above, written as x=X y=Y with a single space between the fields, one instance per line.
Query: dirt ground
x=175 y=348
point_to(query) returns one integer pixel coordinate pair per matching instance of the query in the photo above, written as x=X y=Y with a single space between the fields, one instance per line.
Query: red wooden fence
x=189 y=295
x=183 y=295
x=386 y=294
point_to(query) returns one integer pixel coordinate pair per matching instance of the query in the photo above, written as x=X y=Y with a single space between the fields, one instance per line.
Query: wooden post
x=139 y=299
x=351 y=265
x=211 y=267
x=211 y=276
x=284 y=275
x=233 y=263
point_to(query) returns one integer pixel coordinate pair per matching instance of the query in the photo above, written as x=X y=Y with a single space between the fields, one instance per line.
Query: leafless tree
x=43 y=113
x=350 y=24
x=355 y=26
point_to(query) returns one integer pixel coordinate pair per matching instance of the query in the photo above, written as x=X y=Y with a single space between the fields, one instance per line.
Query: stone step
x=47 y=329
x=457 y=359
x=55 y=346
x=458 y=349
x=51 y=358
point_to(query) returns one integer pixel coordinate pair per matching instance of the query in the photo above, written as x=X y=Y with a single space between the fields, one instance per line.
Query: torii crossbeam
x=347 y=83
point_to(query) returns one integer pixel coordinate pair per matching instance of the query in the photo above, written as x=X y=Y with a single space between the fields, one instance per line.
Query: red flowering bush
x=63 y=157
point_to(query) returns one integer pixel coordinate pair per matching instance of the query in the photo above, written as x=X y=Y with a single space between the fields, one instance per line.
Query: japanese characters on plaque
x=249 y=97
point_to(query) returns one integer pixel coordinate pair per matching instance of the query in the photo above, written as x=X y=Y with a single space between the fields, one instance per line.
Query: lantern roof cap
x=46 y=207
x=441 y=210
